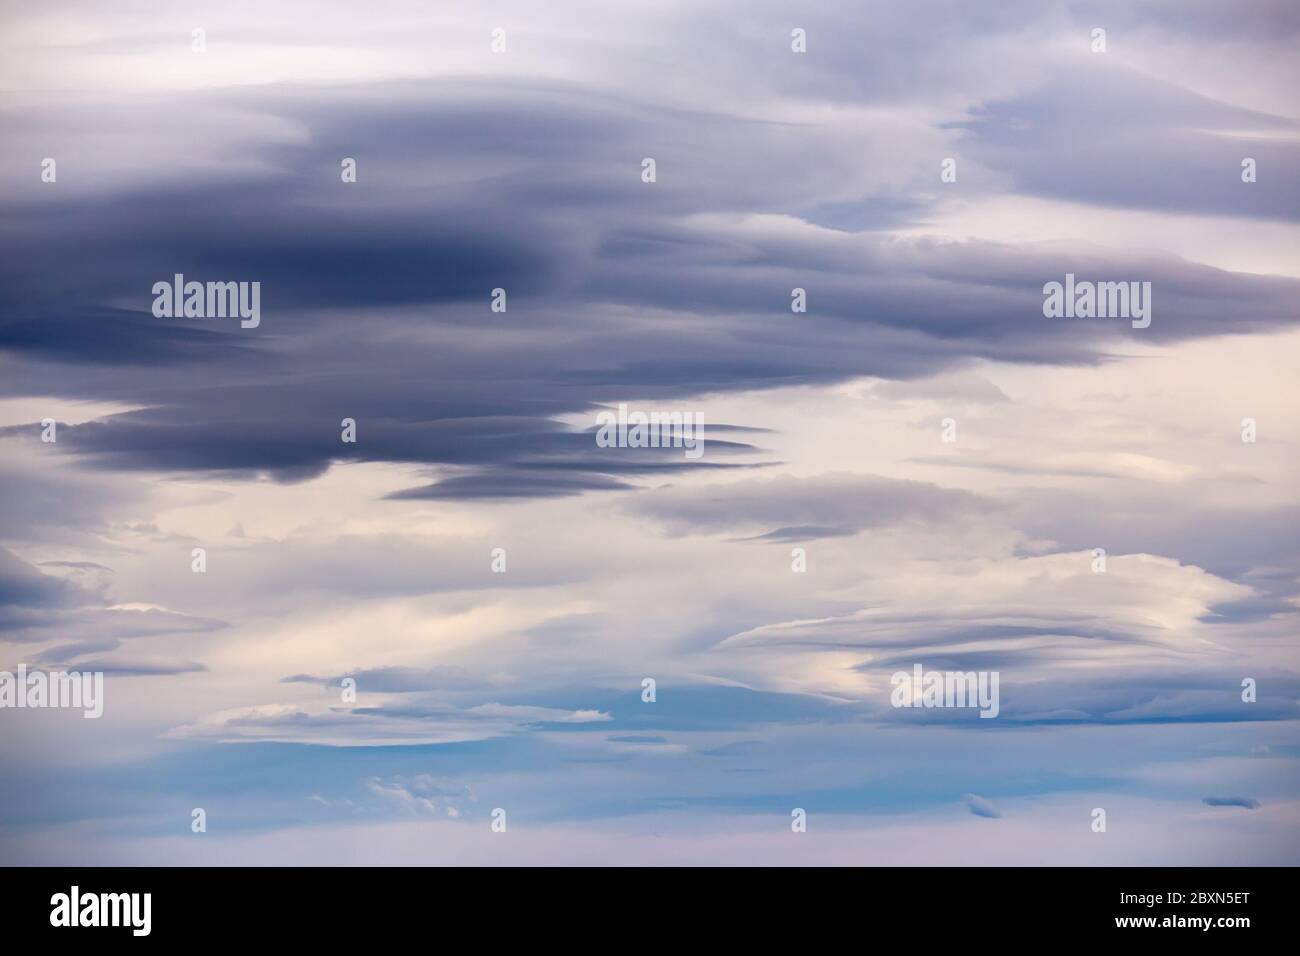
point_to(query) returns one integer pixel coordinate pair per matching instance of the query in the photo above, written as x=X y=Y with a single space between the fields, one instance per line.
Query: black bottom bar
x=365 y=905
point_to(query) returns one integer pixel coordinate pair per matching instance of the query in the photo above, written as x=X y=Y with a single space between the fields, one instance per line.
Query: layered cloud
x=921 y=468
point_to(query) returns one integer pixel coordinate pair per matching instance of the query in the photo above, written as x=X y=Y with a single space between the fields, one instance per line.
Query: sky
x=431 y=644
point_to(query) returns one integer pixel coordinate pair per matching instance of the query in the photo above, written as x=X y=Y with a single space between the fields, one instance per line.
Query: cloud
x=776 y=172
x=423 y=795
x=806 y=507
x=142 y=668
x=980 y=807
x=602 y=265
x=382 y=724
x=400 y=680
x=1153 y=129
x=648 y=739
x=1244 y=802
x=22 y=585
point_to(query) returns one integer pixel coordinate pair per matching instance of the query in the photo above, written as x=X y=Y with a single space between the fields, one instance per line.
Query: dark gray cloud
x=1128 y=141
x=114 y=667
x=775 y=171
x=36 y=607
x=23 y=586
x=375 y=295
x=77 y=565
x=1246 y=803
